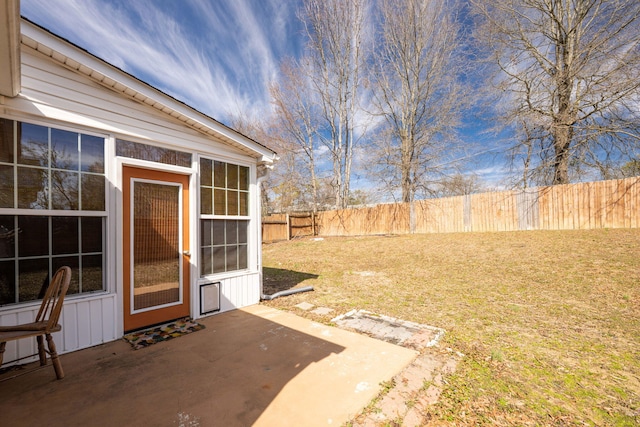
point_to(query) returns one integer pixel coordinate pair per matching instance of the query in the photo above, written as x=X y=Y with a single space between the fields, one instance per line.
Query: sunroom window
x=224 y=216
x=52 y=209
x=136 y=150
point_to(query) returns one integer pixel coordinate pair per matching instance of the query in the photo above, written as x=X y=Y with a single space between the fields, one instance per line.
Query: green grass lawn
x=549 y=321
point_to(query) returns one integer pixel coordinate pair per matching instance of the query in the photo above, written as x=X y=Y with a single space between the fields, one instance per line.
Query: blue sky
x=217 y=56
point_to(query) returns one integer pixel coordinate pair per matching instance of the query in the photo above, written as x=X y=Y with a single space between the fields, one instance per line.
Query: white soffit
x=118 y=80
x=10 y=47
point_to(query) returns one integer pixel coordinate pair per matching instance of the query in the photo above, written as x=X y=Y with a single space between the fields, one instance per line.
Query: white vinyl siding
x=65 y=95
x=239 y=291
x=55 y=96
x=86 y=322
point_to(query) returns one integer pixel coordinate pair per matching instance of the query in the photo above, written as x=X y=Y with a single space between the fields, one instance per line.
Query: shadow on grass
x=277 y=279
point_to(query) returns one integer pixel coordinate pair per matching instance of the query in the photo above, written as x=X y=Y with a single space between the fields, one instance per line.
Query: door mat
x=147 y=337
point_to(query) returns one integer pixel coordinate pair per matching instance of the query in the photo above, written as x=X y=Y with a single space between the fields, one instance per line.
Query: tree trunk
x=407 y=190
x=563 y=126
x=561 y=161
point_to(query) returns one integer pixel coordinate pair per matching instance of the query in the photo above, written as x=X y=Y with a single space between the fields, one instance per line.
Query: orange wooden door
x=155 y=247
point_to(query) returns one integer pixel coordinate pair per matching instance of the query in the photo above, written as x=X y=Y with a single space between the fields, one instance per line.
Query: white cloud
x=217 y=57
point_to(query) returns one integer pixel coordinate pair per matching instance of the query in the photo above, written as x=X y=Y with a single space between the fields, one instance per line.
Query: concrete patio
x=254 y=366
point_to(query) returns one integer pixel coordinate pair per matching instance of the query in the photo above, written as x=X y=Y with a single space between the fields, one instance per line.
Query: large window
x=52 y=209
x=224 y=216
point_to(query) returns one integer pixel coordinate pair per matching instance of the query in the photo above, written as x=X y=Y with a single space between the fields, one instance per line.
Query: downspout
x=287 y=292
x=262 y=173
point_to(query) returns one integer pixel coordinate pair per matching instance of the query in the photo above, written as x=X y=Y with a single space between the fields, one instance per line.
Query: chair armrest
x=35 y=326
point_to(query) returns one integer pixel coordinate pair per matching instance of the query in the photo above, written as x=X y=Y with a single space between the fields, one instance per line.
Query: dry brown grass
x=549 y=321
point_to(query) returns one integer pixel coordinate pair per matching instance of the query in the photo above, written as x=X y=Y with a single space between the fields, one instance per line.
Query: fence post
x=288 y=227
x=467 y=213
x=313 y=224
x=412 y=217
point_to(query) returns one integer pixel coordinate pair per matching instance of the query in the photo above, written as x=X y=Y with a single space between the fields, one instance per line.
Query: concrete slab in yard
x=305 y=306
x=322 y=311
x=391 y=329
x=255 y=366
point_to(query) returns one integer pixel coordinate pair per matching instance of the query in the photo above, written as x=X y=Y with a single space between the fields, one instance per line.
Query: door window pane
x=156 y=244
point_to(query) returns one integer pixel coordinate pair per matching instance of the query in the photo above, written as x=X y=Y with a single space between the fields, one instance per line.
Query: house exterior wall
x=55 y=96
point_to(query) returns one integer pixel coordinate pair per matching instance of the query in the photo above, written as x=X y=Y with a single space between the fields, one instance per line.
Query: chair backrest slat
x=54 y=297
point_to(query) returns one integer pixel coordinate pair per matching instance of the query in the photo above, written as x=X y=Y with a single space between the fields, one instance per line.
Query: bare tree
x=285 y=188
x=335 y=31
x=296 y=118
x=570 y=70
x=415 y=75
x=459 y=185
x=631 y=168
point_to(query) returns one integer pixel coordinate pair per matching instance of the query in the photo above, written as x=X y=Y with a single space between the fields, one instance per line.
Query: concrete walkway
x=255 y=366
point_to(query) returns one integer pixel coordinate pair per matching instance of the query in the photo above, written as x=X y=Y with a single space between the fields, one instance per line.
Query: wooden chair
x=46 y=321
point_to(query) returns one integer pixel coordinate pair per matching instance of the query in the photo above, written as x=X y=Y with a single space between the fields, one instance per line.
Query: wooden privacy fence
x=590 y=205
x=278 y=227
x=602 y=204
